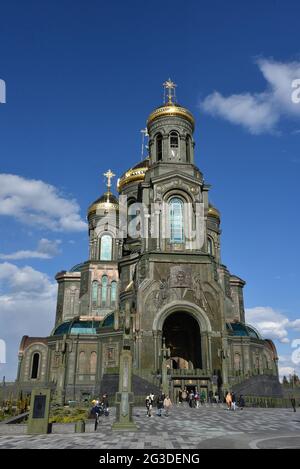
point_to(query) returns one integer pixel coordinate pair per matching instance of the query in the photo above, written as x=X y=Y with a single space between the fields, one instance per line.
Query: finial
x=169 y=91
x=109 y=175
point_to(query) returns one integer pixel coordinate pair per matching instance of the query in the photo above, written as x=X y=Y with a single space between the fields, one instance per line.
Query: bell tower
x=170 y=128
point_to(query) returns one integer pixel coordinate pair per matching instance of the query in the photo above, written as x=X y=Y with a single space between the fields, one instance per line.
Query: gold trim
x=102 y=205
x=172 y=110
x=137 y=174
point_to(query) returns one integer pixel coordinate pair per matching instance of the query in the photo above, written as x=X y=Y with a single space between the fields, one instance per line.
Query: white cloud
x=34 y=202
x=46 y=249
x=271 y=324
x=27 y=307
x=259 y=112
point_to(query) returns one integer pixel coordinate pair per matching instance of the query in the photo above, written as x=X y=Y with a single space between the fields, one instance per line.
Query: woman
x=228 y=400
x=167 y=405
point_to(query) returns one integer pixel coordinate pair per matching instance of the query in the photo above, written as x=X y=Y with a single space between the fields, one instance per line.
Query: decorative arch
x=197 y=314
x=184 y=306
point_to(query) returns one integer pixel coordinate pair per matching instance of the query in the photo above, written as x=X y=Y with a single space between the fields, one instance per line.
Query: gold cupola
x=108 y=201
x=170 y=107
x=134 y=174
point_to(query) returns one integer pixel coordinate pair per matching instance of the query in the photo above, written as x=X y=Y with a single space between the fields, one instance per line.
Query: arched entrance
x=182 y=334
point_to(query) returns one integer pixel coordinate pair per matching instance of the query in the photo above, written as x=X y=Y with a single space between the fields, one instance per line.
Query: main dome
x=171 y=109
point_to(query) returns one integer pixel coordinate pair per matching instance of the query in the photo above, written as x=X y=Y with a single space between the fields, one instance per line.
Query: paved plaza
x=207 y=427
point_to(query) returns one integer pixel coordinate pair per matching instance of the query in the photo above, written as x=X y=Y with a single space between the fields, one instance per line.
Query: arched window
x=106 y=248
x=113 y=293
x=176 y=220
x=104 y=290
x=93 y=362
x=188 y=149
x=210 y=246
x=35 y=365
x=95 y=293
x=81 y=362
x=174 y=144
x=159 y=147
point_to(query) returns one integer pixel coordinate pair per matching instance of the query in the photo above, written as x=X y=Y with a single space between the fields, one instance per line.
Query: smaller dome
x=134 y=174
x=213 y=212
x=77 y=326
x=171 y=109
x=106 y=202
x=109 y=320
x=242 y=330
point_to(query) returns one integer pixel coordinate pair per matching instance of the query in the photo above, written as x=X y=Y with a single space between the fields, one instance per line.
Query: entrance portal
x=182 y=334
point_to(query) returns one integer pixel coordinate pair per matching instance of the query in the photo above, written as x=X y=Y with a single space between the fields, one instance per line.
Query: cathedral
x=155 y=264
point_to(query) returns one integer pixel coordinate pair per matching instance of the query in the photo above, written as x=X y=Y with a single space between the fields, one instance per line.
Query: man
x=160 y=404
x=149 y=403
x=293 y=402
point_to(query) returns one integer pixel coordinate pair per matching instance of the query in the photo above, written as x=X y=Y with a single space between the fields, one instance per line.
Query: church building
x=154 y=263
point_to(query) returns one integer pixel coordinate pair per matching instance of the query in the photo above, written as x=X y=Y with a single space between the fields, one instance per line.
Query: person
x=149 y=404
x=160 y=404
x=202 y=397
x=184 y=395
x=105 y=404
x=97 y=411
x=228 y=400
x=210 y=397
x=293 y=402
x=191 y=398
x=167 y=405
x=217 y=398
x=233 y=401
x=241 y=402
x=197 y=399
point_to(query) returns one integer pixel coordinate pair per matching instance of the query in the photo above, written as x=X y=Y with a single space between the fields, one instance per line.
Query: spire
x=169 y=91
x=109 y=175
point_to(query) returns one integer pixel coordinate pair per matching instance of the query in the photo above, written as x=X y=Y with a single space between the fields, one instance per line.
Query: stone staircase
x=259 y=385
x=141 y=387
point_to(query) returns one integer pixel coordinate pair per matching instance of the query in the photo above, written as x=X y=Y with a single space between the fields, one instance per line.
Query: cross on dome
x=169 y=91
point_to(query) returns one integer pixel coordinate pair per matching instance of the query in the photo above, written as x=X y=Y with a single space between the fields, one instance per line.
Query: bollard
x=80 y=426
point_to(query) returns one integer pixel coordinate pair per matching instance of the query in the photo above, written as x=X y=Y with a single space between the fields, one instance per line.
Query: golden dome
x=135 y=174
x=106 y=202
x=213 y=212
x=171 y=109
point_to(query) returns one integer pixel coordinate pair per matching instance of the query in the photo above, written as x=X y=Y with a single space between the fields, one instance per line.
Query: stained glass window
x=176 y=220
x=106 y=248
x=113 y=293
x=95 y=293
x=104 y=289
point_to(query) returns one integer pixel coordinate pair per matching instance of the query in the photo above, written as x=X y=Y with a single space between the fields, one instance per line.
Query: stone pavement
x=210 y=426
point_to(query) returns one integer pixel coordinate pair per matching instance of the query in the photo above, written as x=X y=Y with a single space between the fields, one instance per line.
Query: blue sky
x=82 y=77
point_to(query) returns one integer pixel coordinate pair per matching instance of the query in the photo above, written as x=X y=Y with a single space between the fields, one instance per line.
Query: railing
x=183 y=372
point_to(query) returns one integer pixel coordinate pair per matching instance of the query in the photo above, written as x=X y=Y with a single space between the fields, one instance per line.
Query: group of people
x=192 y=397
x=100 y=407
x=232 y=402
x=161 y=401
